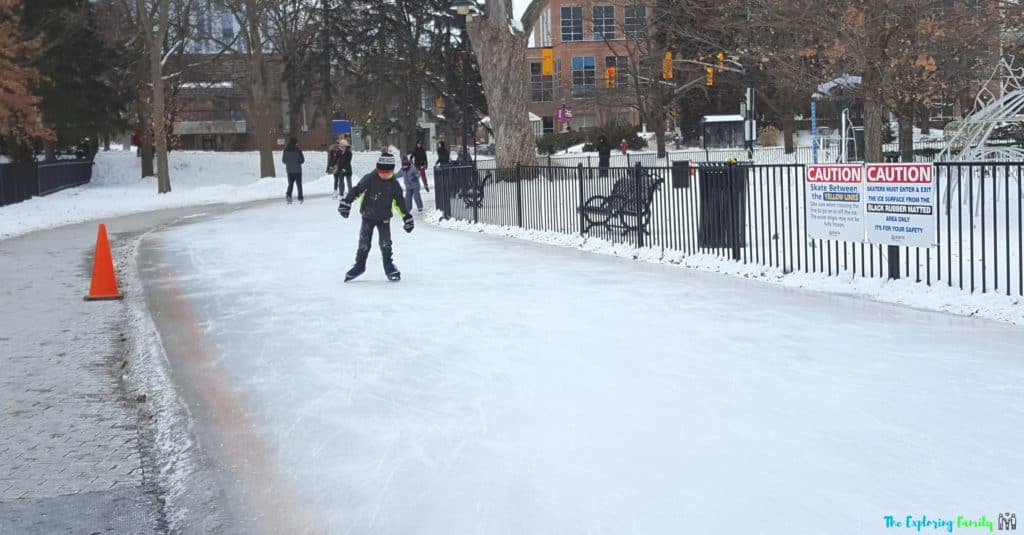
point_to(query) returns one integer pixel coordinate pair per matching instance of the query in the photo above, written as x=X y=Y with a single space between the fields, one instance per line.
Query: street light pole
x=466 y=9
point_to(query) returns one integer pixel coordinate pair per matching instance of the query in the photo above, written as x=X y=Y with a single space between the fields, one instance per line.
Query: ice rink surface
x=510 y=387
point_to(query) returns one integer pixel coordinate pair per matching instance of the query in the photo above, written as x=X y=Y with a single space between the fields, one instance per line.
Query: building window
x=583 y=81
x=604 y=22
x=227 y=26
x=542 y=87
x=635 y=22
x=579 y=122
x=572 y=24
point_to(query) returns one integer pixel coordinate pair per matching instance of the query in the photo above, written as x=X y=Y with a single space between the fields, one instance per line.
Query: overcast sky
x=520 y=6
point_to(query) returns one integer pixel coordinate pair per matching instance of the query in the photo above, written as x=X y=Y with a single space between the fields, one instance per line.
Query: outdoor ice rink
x=510 y=387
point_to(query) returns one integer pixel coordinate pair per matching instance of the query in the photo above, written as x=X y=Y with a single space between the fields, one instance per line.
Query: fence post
x=638 y=199
x=579 y=181
x=733 y=209
x=519 y=196
x=475 y=178
x=628 y=164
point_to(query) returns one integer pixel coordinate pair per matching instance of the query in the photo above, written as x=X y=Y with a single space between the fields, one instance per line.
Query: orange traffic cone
x=104 y=282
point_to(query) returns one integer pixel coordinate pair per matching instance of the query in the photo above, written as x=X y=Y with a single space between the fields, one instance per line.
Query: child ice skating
x=410 y=177
x=380 y=192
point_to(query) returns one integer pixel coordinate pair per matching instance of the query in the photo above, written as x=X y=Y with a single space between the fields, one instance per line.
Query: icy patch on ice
x=1009 y=309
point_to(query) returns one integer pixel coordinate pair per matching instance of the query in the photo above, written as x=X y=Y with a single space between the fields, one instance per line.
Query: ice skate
x=391 y=270
x=356 y=271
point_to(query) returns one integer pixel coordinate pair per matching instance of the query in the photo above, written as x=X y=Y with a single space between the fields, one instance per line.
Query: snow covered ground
x=196 y=178
x=509 y=387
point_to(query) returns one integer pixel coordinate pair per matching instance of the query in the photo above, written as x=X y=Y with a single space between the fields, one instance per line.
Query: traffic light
x=720 y=57
x=609 y=77
x=709 y=76
x=666 y=66
x=439 y=103
x=547 y=61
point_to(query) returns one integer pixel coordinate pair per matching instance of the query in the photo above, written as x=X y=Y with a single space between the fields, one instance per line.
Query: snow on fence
x=757 y=214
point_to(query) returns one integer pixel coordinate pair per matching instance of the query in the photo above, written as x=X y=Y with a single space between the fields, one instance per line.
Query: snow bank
x=197 y=178
x=1009 y=309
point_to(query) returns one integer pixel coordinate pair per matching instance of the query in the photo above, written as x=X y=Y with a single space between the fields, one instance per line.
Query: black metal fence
x=755 y=214
x=22 y=181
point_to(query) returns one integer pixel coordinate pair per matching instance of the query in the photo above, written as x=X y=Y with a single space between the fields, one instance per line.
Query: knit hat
x=386 y=162
x=405 y=161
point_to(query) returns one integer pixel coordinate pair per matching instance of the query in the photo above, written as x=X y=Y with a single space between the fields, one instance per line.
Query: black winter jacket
x=378 y=197
x=419 y=156
x=340 y=157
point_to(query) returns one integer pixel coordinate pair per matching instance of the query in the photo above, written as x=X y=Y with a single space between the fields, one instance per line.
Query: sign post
x=835 y=202
x=814 y=130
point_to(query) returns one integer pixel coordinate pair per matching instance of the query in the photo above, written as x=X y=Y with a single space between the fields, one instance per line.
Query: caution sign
x=900 y=204
x=835 y=202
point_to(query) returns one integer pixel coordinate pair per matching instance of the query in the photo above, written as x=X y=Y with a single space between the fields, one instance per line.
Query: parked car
x=487 y=149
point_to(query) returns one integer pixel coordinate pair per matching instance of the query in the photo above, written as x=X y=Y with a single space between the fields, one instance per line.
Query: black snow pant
x=293 y=179
x=342 y=177
x=366 y=236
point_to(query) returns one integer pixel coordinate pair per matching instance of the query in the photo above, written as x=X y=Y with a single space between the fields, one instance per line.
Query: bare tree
x=154 y=24
x=500 y=49
x=252 y=17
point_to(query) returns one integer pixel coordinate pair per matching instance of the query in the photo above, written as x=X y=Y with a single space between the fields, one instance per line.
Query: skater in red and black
x=293 y=160
x=419 y=159
x=380 y=191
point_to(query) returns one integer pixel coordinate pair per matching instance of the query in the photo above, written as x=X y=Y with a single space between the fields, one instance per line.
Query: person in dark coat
x=604 y=156
x=380 y=192
x=339 y=164
x=444 y=156
x=293 y=160
x=419 y=159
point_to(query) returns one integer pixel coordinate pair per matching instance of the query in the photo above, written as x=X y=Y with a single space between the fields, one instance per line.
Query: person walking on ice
x=293 y=160
x=419 y=158
x=411 y=176
x=380 y=193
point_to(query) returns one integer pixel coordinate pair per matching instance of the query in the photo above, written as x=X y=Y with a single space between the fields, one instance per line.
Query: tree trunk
x=501 y=56
x=259 y=91
x=50 y=149
x=146 y=155
x=926 y=126
x=659 y=136
x=787 y=132
x=159 y=110
x=872 y=120
x=906 y=138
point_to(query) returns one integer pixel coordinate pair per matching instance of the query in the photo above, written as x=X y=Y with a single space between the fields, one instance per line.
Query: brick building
x=212 y=99
x=586 y=38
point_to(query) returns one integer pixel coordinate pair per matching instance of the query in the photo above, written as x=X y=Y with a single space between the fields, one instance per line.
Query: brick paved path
x=70 y=443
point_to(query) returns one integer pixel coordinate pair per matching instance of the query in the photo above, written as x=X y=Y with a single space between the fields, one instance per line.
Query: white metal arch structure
x=991 y=110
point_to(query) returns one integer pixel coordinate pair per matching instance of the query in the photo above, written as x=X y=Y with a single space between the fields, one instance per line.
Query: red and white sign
x=904 y=173
x=835 y=202
x=900 y=204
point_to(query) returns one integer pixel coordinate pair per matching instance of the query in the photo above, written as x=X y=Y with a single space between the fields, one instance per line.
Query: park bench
x=626 y=208
x=471 y=191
